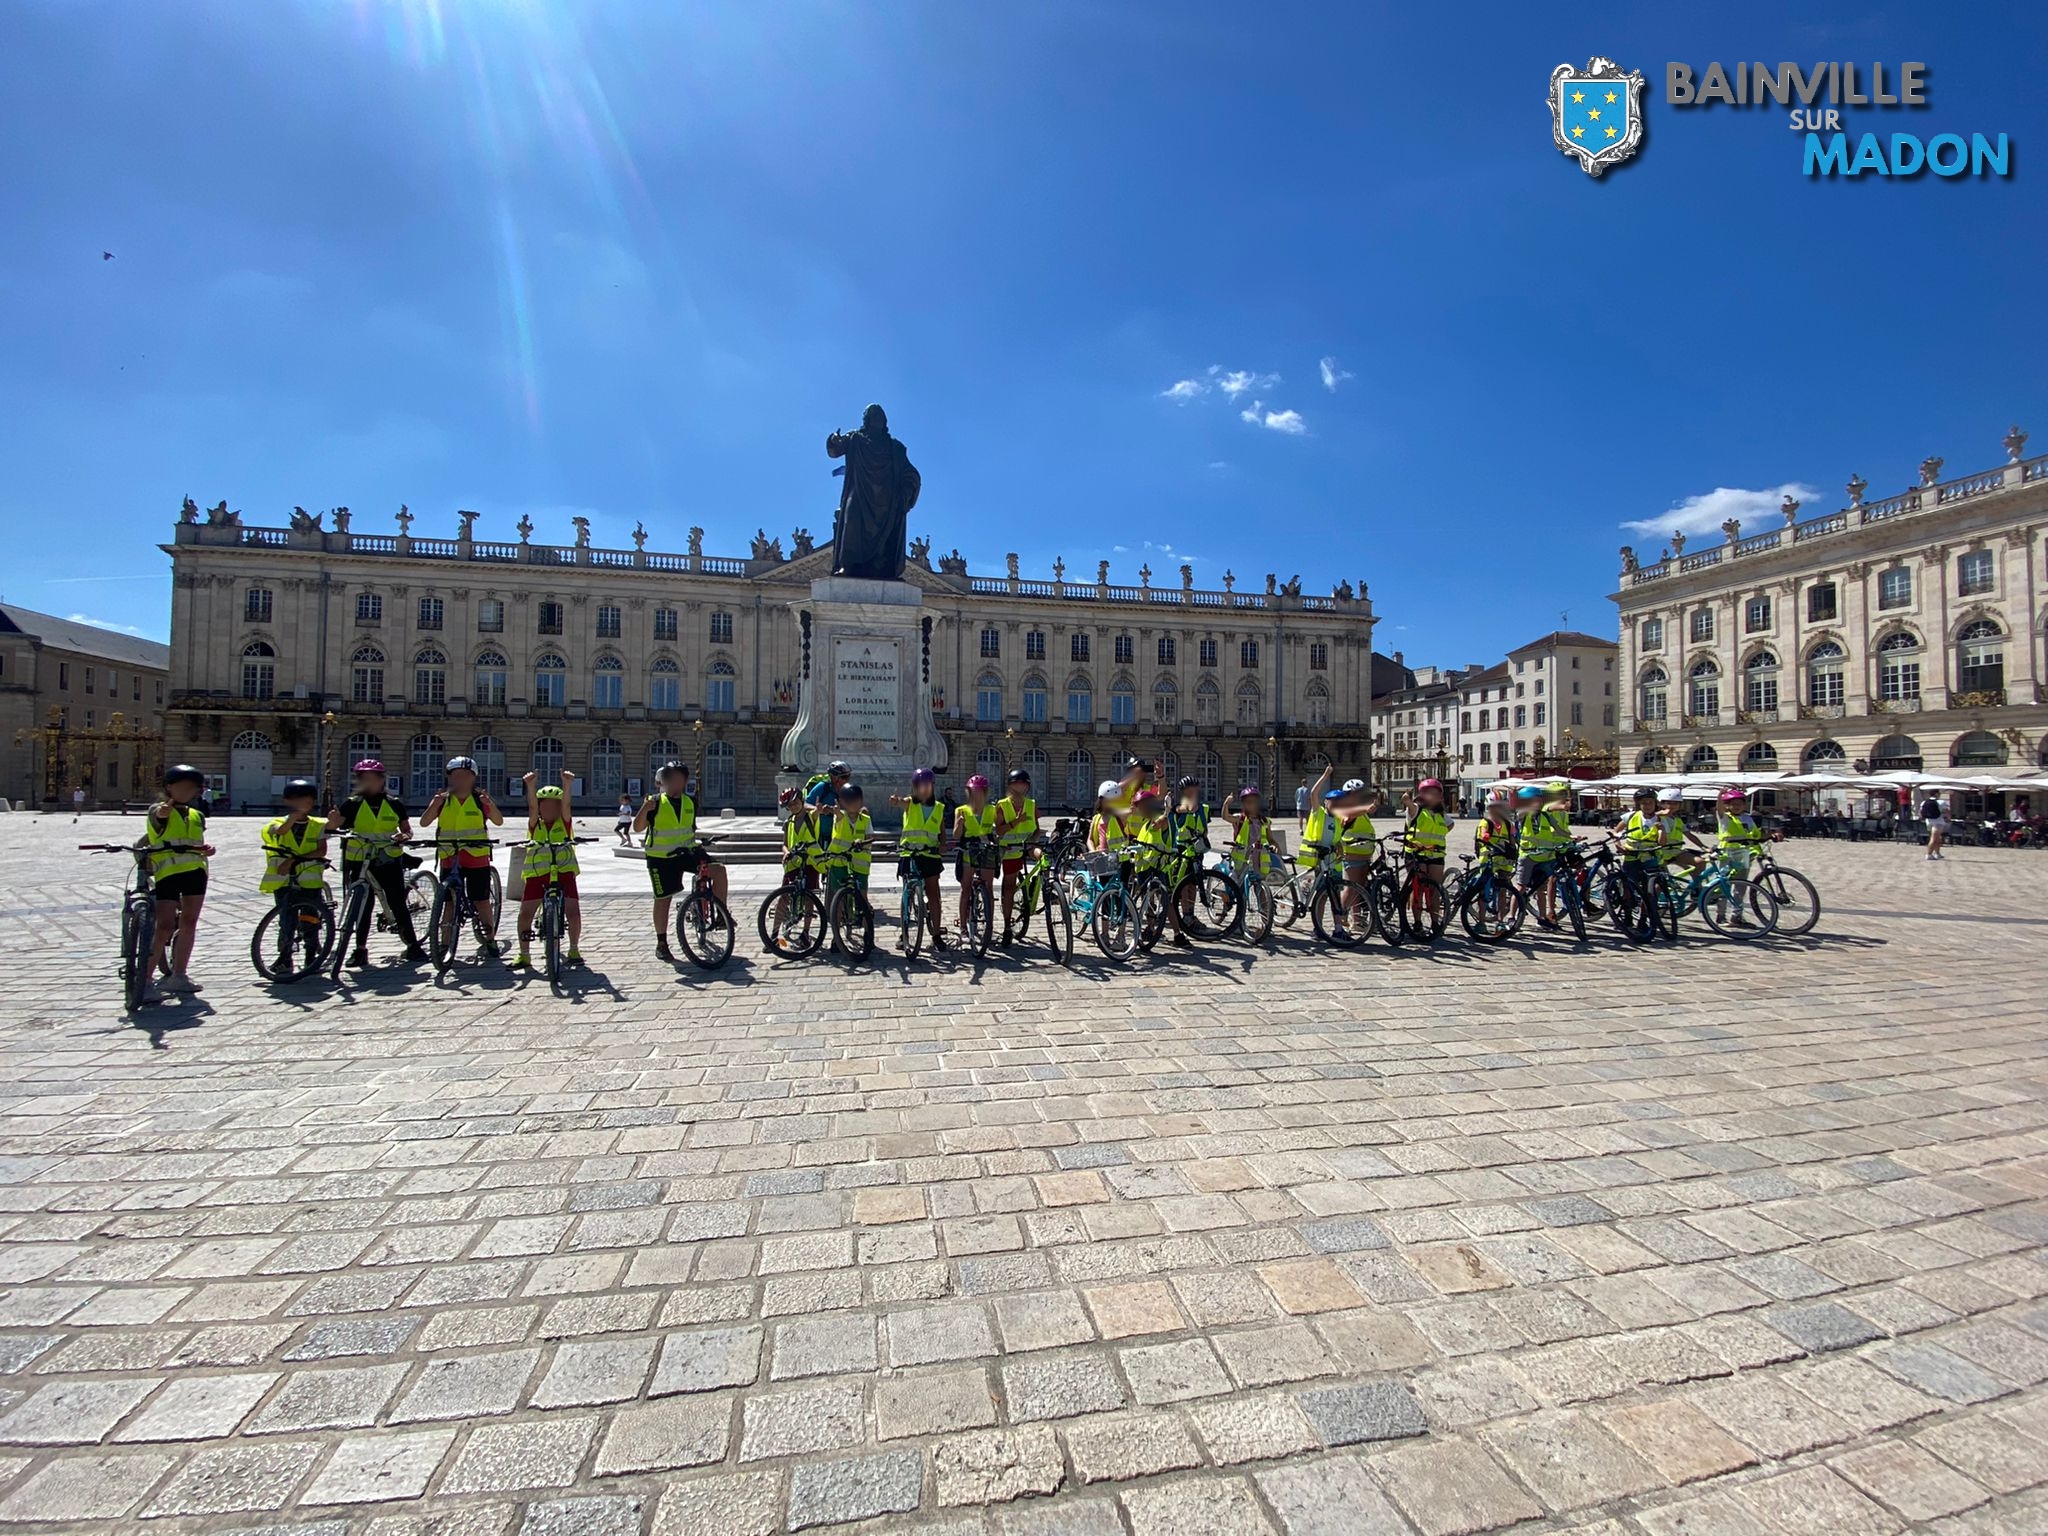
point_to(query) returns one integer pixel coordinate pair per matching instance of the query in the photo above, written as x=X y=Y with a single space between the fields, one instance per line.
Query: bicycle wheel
x=978 y=933
x=1116 y=925
x=353 y=905
x=1383 y=901
x=792 y=922
x=1151 y=898
x=291 y=942
x=138 y=938
x=1798 y=901
x=1668 y=901
x=704 y=927
x=444 y=929
x=1593 y=879
x=1288 y=901
x=1255 y=912
x=497 y=907
x=551 y=934
x=1572 y=899
x=853 y=923
x=1332 y=923
x=1216 y=904
x=1059 y=928
x=1728 y=913
x=419 y=898
x=1490 y=909
x=910 y=937
x=1418 y=921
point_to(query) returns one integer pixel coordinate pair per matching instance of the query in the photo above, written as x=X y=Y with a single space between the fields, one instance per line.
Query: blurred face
x=924 y=791
x=1252 y=805
x=461 y=782
x=977 y=798
x=1434 y=795
x=300 y=806
x=184 y=792
x=552 y=809
x=674 y=782
x=850 y=804
x=369 y=783
x=1019 y=789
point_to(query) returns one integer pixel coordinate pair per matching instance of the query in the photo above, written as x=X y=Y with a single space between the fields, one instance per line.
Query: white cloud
x=119 y=629
x=1289 y=422
x=1181 y=391
x=1251 y=412
x=1706 y=513
x=1332 y=374
x=1242 y=381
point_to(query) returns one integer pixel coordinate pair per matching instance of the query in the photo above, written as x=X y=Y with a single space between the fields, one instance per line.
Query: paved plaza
x=1709 y=1239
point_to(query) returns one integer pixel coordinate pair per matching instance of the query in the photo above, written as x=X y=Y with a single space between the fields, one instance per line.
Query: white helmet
x=1354 y=786
x=1107 y=787
x=1500 y=794
x=1673 y=796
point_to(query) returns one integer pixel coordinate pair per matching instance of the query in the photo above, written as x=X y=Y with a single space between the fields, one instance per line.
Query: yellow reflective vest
x=1018 y=824
x=282 y=844
x=672 y=828
x=923 y=826
x=174 y=850
x=849 y=848
x=552 y=850
x=461 y=829
x=1357 y=838
x=1251 y=842
x=1428 y=831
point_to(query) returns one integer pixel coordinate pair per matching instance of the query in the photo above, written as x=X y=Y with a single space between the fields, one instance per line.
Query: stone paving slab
x=1710 y=1238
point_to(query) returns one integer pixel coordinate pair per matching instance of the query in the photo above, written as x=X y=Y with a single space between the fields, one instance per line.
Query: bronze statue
x=880 y=489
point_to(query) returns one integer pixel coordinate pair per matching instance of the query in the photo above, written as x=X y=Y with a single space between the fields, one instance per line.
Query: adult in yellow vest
x=370 y=812
x=975 y=819
x=175 y=835
x=667 y=825
x=1016 y=826
x=918 y=845
x=550 y=851
x=462 y=815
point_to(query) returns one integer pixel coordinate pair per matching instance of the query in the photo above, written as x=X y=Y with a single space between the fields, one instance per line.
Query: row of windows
x=424 y=764
x=1124 y=648
x=91 y=678
x=989 y=702
x=1972 y=749
x=1980 y=667
x=491 y=679
x=431 y=614
x=1976 y=575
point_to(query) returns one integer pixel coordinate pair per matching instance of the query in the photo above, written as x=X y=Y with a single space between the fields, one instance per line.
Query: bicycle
x=1256 y=905
x=138 y=924
x=1490 y=904
x=913 y=909
x=453 y=910
x=1329 y=909
x=363 y=890
x=1710 y=889
x=304 y=928
x=850 y=913
x=1068 y=842
x=977 y=930
x=1039 y=891
x=553 y=916
x=1419 y=917
x=792 y=918
x=704 y=925
x=1095 y=893
x=1209 y=899
x=1798 y=901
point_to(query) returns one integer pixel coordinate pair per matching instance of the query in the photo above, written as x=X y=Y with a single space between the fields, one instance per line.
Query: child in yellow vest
x=550 y=846
x=924 y=830
x=294 y=846
x=175 y=834
x=1151 y=848
x=975 y=818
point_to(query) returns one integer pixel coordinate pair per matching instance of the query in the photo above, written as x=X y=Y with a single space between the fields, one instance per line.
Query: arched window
x=550 y=680
x=1209 y=769
x=1760 y=681
x=1080 y=700
x=1895 y=751
x=988 y=698
x=721 y=774
x=664 y=684
x=1250 y=702
x=259 y=670
x=363 y=744
x=1318 y=701
x=1978 y=749
x=608 y=684
x=1251 y=770
x=1123 y=702
x=430 y=677
x=721 y=685
x=366 y=675
x=1169 y=771
x=1208 y=704
x=1704 y=759
x=1655 y=689
x=663 y=751
x=1039 y=766
x=1166 y=702
x=1703 y=684
x=492 y=679
x=489 y=753
x=548 y=760
x=1898 y=666
x=1080 y=778
x=1820 y=754
x=250 y=741
x=1760 y=757
x=1036 y=706
x=427 y=768
x=1824 y=687
x=988 y=762
x=1980 y=661
x=607 y=769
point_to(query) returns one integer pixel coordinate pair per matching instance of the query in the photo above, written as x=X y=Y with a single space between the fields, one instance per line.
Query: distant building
x=80 y=707
x=1905 y=633
x=1415 y=728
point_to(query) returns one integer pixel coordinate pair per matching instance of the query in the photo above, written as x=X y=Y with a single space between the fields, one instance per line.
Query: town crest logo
x=1596 y=113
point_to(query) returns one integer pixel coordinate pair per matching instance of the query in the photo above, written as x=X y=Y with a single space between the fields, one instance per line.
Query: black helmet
x=299 y=788
x=1017 y=776
x=1188 y=781
x=1142 y=764
x=183 y=773
x=849 y=791
x=673 y=766
x=838 y=767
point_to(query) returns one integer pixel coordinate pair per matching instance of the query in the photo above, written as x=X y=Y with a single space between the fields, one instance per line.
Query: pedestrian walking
x=623 y=822
x=1301 y=805
x=77 y=802
x=1936 y=818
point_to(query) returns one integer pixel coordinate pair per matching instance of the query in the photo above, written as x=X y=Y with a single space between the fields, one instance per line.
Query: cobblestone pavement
x=1709 y=1240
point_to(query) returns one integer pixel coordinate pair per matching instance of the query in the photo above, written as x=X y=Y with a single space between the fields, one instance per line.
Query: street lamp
x=327 y=723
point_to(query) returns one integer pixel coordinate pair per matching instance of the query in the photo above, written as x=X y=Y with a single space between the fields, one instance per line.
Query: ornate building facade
x=1901 y=633
x=295 y=650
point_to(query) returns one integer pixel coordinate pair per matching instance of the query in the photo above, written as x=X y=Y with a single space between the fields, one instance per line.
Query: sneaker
x=1182 y=941
x=177 y=982
x=520 y=962
x=416 y=956
x=574 y=957
x=360 y=958
x=152 y=996
x=663 y=952
x=489 y=949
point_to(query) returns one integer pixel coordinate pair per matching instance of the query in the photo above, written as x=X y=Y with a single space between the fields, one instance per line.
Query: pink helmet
x=978 y=781
x=1429 y=784
x=1733 y=796
x=1249 y=792
x=368 y=765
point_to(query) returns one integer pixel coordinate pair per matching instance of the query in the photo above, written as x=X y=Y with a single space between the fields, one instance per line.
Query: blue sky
x=558 y=258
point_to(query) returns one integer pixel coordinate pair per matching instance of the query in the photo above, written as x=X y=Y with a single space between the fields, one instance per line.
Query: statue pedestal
x=864 y=687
